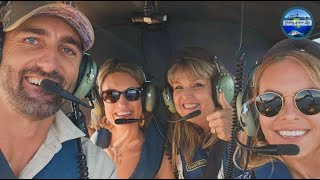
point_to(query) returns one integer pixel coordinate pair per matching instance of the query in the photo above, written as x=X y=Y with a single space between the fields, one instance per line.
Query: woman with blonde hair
x=136 y=146
x=284 y=99
x=193 y=78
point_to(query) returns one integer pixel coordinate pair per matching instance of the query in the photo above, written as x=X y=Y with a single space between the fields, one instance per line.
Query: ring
x=214 y=130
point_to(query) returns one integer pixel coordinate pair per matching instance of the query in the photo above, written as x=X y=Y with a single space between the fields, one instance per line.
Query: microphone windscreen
x=126 y=121
x=53 y=87
x=288 y=149
x=120 y=121
x=50 y=86
x=194 y=114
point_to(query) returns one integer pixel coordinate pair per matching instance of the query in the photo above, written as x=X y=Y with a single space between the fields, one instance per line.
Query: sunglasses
x=307 y=101
x=112 y=96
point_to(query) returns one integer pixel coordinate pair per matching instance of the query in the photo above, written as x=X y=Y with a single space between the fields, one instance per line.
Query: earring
x=141 y=123
x=105 y=123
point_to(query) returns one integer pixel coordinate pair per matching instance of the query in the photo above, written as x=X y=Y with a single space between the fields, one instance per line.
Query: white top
x=94 y=137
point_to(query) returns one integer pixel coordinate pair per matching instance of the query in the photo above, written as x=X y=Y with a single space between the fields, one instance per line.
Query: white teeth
x=123 y=113
x=190 y=105
x=34 y=80
x=292 y=133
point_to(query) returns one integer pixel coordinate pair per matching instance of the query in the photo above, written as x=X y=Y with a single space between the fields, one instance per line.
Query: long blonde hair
x=186 y=136
x=310 y=63
x=111 y=66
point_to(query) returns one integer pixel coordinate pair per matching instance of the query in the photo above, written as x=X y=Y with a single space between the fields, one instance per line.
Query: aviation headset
x=224 y=81
x=148 y=94
x=247 y=113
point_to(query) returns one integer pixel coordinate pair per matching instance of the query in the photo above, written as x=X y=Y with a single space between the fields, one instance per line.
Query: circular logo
x=297 y=23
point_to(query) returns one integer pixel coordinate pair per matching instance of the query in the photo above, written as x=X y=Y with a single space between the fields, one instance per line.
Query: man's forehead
x=42 y=25
x=48 y=24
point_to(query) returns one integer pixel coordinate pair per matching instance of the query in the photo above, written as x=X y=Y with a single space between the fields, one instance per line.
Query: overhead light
x=149 y=16
x=153 y=19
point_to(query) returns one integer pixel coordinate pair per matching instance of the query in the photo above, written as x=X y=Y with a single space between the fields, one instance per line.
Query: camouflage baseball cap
x=15 y=13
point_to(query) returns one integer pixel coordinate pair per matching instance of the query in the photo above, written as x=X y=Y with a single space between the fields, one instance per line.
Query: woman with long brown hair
x=193 y=78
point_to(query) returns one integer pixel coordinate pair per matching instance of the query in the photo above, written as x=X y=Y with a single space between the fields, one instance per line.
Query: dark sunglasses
x=270 y=104
x=112 y=96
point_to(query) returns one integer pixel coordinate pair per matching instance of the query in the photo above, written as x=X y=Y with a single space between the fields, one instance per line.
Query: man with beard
x=44 y=40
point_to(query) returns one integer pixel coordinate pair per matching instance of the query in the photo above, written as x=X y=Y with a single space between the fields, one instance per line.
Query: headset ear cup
x=82 y=69
x=86 y=78
x=149 y=100
x=248 y=123
x=168 y=99
x=225 y=83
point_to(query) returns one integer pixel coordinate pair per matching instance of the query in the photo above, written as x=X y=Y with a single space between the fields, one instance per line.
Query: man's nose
x=49 y=60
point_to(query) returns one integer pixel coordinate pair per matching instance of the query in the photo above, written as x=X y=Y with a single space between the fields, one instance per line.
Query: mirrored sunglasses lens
x=308 y=101
x=132 y=94
x=269 y=104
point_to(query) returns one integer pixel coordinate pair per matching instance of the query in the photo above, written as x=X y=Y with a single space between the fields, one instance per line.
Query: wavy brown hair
x=185 y=136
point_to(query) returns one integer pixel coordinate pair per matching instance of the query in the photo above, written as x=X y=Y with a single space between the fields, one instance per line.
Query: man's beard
x=38 y=106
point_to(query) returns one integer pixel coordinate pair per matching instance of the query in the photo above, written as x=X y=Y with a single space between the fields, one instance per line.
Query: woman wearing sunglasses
x=135 y=147
x=285 y=105
x=192 y=85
